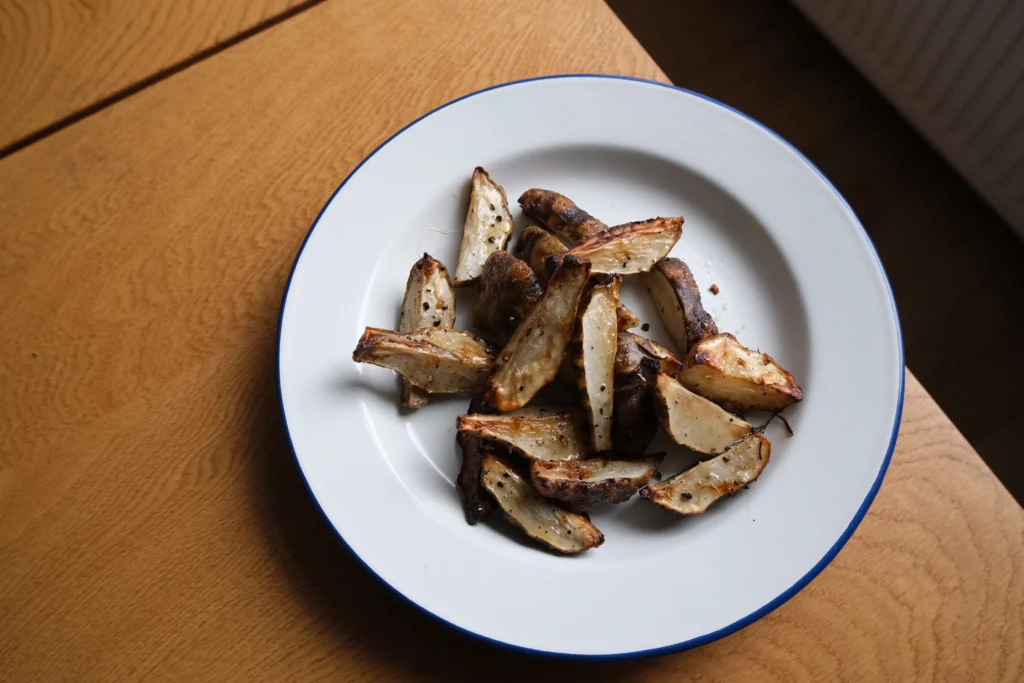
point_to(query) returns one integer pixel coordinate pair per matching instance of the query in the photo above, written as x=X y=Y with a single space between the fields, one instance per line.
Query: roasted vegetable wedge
x=475 y=502
x=487 y=229
x=535 y=433
x=677 y=298
x=737 y=378
x=593 y=356
x=695 y=422
x=667 y=361
x=540 y=518
x=625 y=318
x=569 y=223
x=438 y=360
x=580 y=484
x=429 y=302
x=531 y=357
x=694 y=490
x=627 y=249
x=535 y=245
x=633 y=420
x=508 y=290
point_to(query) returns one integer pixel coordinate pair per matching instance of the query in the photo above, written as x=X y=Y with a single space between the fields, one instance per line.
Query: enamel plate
x=799 y=279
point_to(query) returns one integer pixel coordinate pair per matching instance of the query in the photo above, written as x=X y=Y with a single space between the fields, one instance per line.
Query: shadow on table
x=365 y=615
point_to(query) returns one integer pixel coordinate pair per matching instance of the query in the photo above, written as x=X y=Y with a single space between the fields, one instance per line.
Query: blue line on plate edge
x=708 y=637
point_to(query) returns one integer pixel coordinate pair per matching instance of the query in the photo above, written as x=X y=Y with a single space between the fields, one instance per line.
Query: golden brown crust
x=627 y=249
x=508 y=290
x=534 y=432
x=581 y=484
x=739 y=379
x=439 y=360
x=559 y=214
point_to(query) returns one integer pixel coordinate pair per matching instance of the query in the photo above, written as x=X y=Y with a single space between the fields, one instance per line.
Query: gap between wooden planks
x=62 y=61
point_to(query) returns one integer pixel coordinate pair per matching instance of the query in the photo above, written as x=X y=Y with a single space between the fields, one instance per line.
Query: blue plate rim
x=708 y=637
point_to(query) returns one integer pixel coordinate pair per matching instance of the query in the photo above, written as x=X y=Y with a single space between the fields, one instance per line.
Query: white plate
x=799 y=279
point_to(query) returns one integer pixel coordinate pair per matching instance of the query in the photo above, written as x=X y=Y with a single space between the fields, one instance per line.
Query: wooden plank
x=59 y=57
x=152 y=521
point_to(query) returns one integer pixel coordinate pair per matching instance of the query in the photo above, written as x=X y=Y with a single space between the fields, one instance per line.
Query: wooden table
x=152 y=521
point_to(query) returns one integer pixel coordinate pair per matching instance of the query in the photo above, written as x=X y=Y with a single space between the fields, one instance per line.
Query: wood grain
x=58 y=57
x=153 y=524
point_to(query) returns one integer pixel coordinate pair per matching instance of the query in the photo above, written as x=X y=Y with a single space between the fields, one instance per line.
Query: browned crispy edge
x=580 y=496
x=696 y=356
x=731 y=490
x=534 y=245
x=698 y=322
x=560 y=215
x=492 y=396
x=413 y=396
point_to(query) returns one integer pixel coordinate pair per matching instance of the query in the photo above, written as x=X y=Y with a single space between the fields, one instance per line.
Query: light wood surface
x=58 y=57
x=153 y=524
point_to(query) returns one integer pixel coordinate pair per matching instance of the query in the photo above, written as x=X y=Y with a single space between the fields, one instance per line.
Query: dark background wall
x=956 y=268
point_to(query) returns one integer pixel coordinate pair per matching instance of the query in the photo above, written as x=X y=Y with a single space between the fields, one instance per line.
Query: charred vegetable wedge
x=508 y=290
x=475 y=502
x=695 y=490
x=569 y=223
x=667 y=361
x=533 y=432
x=580 y=484
x=540 y=518
x=677 y=298
x=535 y=245
x=438 y=360
x=429 y=302
x=593 y=357
x=531 y=357
x=487 y=229
x=695 y=422
x=737 y=378
x=629 y=248
x=633 y=420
